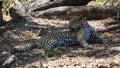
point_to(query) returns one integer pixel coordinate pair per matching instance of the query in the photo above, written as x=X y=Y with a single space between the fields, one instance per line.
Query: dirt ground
x=101 y=56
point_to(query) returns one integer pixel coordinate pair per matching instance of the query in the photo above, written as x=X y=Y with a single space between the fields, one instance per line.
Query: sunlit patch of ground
x=6 y=18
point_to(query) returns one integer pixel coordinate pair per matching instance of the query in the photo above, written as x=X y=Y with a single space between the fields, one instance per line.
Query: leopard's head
x=77 y=22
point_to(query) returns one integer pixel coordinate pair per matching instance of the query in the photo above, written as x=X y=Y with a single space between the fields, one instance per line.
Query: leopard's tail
x=15 y=51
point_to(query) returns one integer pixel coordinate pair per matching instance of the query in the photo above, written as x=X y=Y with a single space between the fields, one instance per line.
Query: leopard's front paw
x=105 y=40
x=87 y=46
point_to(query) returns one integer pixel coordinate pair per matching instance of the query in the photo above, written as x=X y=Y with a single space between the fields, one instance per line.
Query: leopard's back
x=50 y=41
x=56 y=39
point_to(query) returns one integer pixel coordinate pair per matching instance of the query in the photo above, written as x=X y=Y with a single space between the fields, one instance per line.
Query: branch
x=110 y=28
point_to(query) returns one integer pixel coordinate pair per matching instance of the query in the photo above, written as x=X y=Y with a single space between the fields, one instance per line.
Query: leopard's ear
x=82 y=18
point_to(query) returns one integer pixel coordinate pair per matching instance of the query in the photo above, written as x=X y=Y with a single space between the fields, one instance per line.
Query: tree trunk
x=1 y=16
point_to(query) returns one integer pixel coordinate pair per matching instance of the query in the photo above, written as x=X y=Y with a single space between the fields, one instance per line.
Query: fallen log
x=91 y=12
x=65 y=10
x=57 y=23
x=30 y=7
x=57 y=3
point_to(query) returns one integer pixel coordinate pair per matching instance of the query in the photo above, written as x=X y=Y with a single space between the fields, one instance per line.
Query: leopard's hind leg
x=95 y=38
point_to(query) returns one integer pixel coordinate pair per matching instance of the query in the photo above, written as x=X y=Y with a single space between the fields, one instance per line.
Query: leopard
x=53 y=40
x=80 y=33
x=89 y=34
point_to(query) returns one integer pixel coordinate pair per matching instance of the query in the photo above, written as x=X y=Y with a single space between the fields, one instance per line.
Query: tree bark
x=1 y=16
